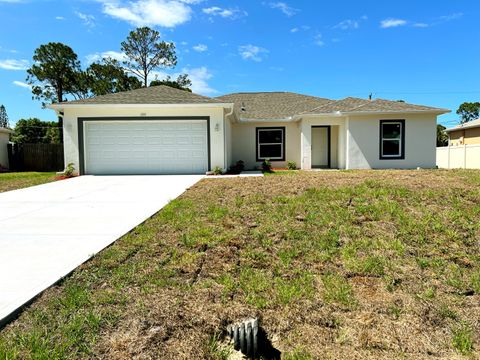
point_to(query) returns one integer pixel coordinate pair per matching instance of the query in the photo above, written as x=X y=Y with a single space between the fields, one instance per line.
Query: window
x=271 y=143
x=392 y=139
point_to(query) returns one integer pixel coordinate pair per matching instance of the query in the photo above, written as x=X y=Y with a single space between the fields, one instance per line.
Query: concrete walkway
x=47 y=231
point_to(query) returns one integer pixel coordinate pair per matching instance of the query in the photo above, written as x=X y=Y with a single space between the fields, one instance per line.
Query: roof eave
x=393 y=112
x=62 y=106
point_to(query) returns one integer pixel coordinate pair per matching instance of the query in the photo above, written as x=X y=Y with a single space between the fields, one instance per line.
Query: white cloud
x=251 y=52
x=319 y=40
x=284 y=8
x=11 y=64
x=59 y=18
x=451 y=17
x=88 y=20
x=198 y=76
x=389 y=23
x=294 y=30
x=232 y=13
x=421 y=25
x=95 y=57
x=347 y=25
x=165 y=13
x=200 y=47
x=22 y=84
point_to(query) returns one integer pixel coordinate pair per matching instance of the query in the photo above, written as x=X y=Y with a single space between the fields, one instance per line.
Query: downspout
x=225 y=144
x=61 y=114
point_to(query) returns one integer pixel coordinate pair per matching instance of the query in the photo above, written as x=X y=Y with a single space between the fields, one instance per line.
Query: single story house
x=464 y=134
x=4 y=140
x=162 y=130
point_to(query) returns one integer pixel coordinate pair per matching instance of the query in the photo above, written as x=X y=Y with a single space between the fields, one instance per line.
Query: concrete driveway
x=47 y=231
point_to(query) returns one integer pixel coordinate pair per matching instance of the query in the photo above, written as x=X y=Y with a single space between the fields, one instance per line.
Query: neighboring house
x=161 y=130
x=463 y=150
x=4 y=139
x=467 y=133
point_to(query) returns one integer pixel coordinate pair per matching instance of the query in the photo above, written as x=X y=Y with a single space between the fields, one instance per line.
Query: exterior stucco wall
x=337 y=145
x=4 y=138
x=70 y=127
x=244 y=143
x=465 y=136
x=363 y=142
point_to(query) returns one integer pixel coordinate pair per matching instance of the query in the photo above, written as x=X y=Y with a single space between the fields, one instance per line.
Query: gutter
x=63 y=106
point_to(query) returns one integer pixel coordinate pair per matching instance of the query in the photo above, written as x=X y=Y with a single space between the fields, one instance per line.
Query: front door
x=320 y=146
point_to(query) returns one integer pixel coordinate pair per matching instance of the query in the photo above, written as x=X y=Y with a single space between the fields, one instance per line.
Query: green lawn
x=337 y=265
x=18 y=180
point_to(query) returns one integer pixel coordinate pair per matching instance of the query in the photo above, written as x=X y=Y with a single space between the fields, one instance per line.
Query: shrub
x=217 y=170
x=237 y=168
x=291 y=165
x=69 y=171
x=267 y=166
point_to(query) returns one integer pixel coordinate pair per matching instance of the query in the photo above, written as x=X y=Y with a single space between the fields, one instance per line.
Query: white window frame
x=400 y=139
x=282 y=143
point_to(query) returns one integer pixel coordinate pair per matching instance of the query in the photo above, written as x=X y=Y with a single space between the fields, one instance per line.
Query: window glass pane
x=270 y=136
x=391 y=131
x=270 y=151
x=391 y=147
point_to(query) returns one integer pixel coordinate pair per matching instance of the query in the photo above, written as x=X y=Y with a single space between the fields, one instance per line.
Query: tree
x=3 y=117
x=469 y=111
x=55 y=73
x=33 y=130
x=442 y=137
x=145 y=53
x=109 y=77
x=182 y=82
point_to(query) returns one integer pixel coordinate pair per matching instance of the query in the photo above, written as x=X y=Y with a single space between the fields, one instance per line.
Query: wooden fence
x=35 y=157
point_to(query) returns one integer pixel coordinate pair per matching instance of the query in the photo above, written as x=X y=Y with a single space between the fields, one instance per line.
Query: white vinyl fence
x=458 y=157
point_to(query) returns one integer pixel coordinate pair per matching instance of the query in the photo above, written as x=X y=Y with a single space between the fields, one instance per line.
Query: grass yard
x=338 y=265
x=18 y=180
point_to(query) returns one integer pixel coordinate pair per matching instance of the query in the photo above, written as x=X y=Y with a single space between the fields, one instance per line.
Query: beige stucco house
x=161 y=130
x=465 y=134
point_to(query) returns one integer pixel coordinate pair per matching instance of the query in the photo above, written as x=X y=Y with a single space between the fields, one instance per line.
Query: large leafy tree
x=3 y=117
x=469 y=111
x=33 y=130
x=182 y=82
x=109 y=77
x=55 y=73
x=442 y=137
x=146 y=52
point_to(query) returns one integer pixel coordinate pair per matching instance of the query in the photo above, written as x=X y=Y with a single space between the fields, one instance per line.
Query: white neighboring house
x=4 y=140
x=162 y=130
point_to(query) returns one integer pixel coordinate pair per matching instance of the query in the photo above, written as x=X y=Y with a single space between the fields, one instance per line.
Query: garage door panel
x=146 y=147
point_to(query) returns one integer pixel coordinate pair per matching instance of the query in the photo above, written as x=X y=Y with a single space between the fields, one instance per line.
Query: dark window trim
x=329 y=136
x=402 y=137
x=283 y=141
x=82 y=120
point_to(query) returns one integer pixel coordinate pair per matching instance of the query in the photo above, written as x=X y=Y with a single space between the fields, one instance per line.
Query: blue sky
x=424 y=52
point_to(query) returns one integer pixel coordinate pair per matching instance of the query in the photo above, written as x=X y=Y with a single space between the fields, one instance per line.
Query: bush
x=267 y=166
x=217 y=170
x=69 y=171
x=237 y=168
x=291 y=165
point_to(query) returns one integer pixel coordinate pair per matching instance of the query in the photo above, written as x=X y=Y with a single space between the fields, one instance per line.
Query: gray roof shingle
x=271 y=105
x=152 y=95
x=279 y=105
x=467 y=125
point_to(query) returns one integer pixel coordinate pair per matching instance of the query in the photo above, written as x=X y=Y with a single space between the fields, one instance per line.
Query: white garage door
x=146 y=147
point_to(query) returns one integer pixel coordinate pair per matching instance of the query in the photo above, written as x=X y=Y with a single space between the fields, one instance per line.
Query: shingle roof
x=467 y=125
x=271 y=105
x=279 y=105
x=152 y=95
